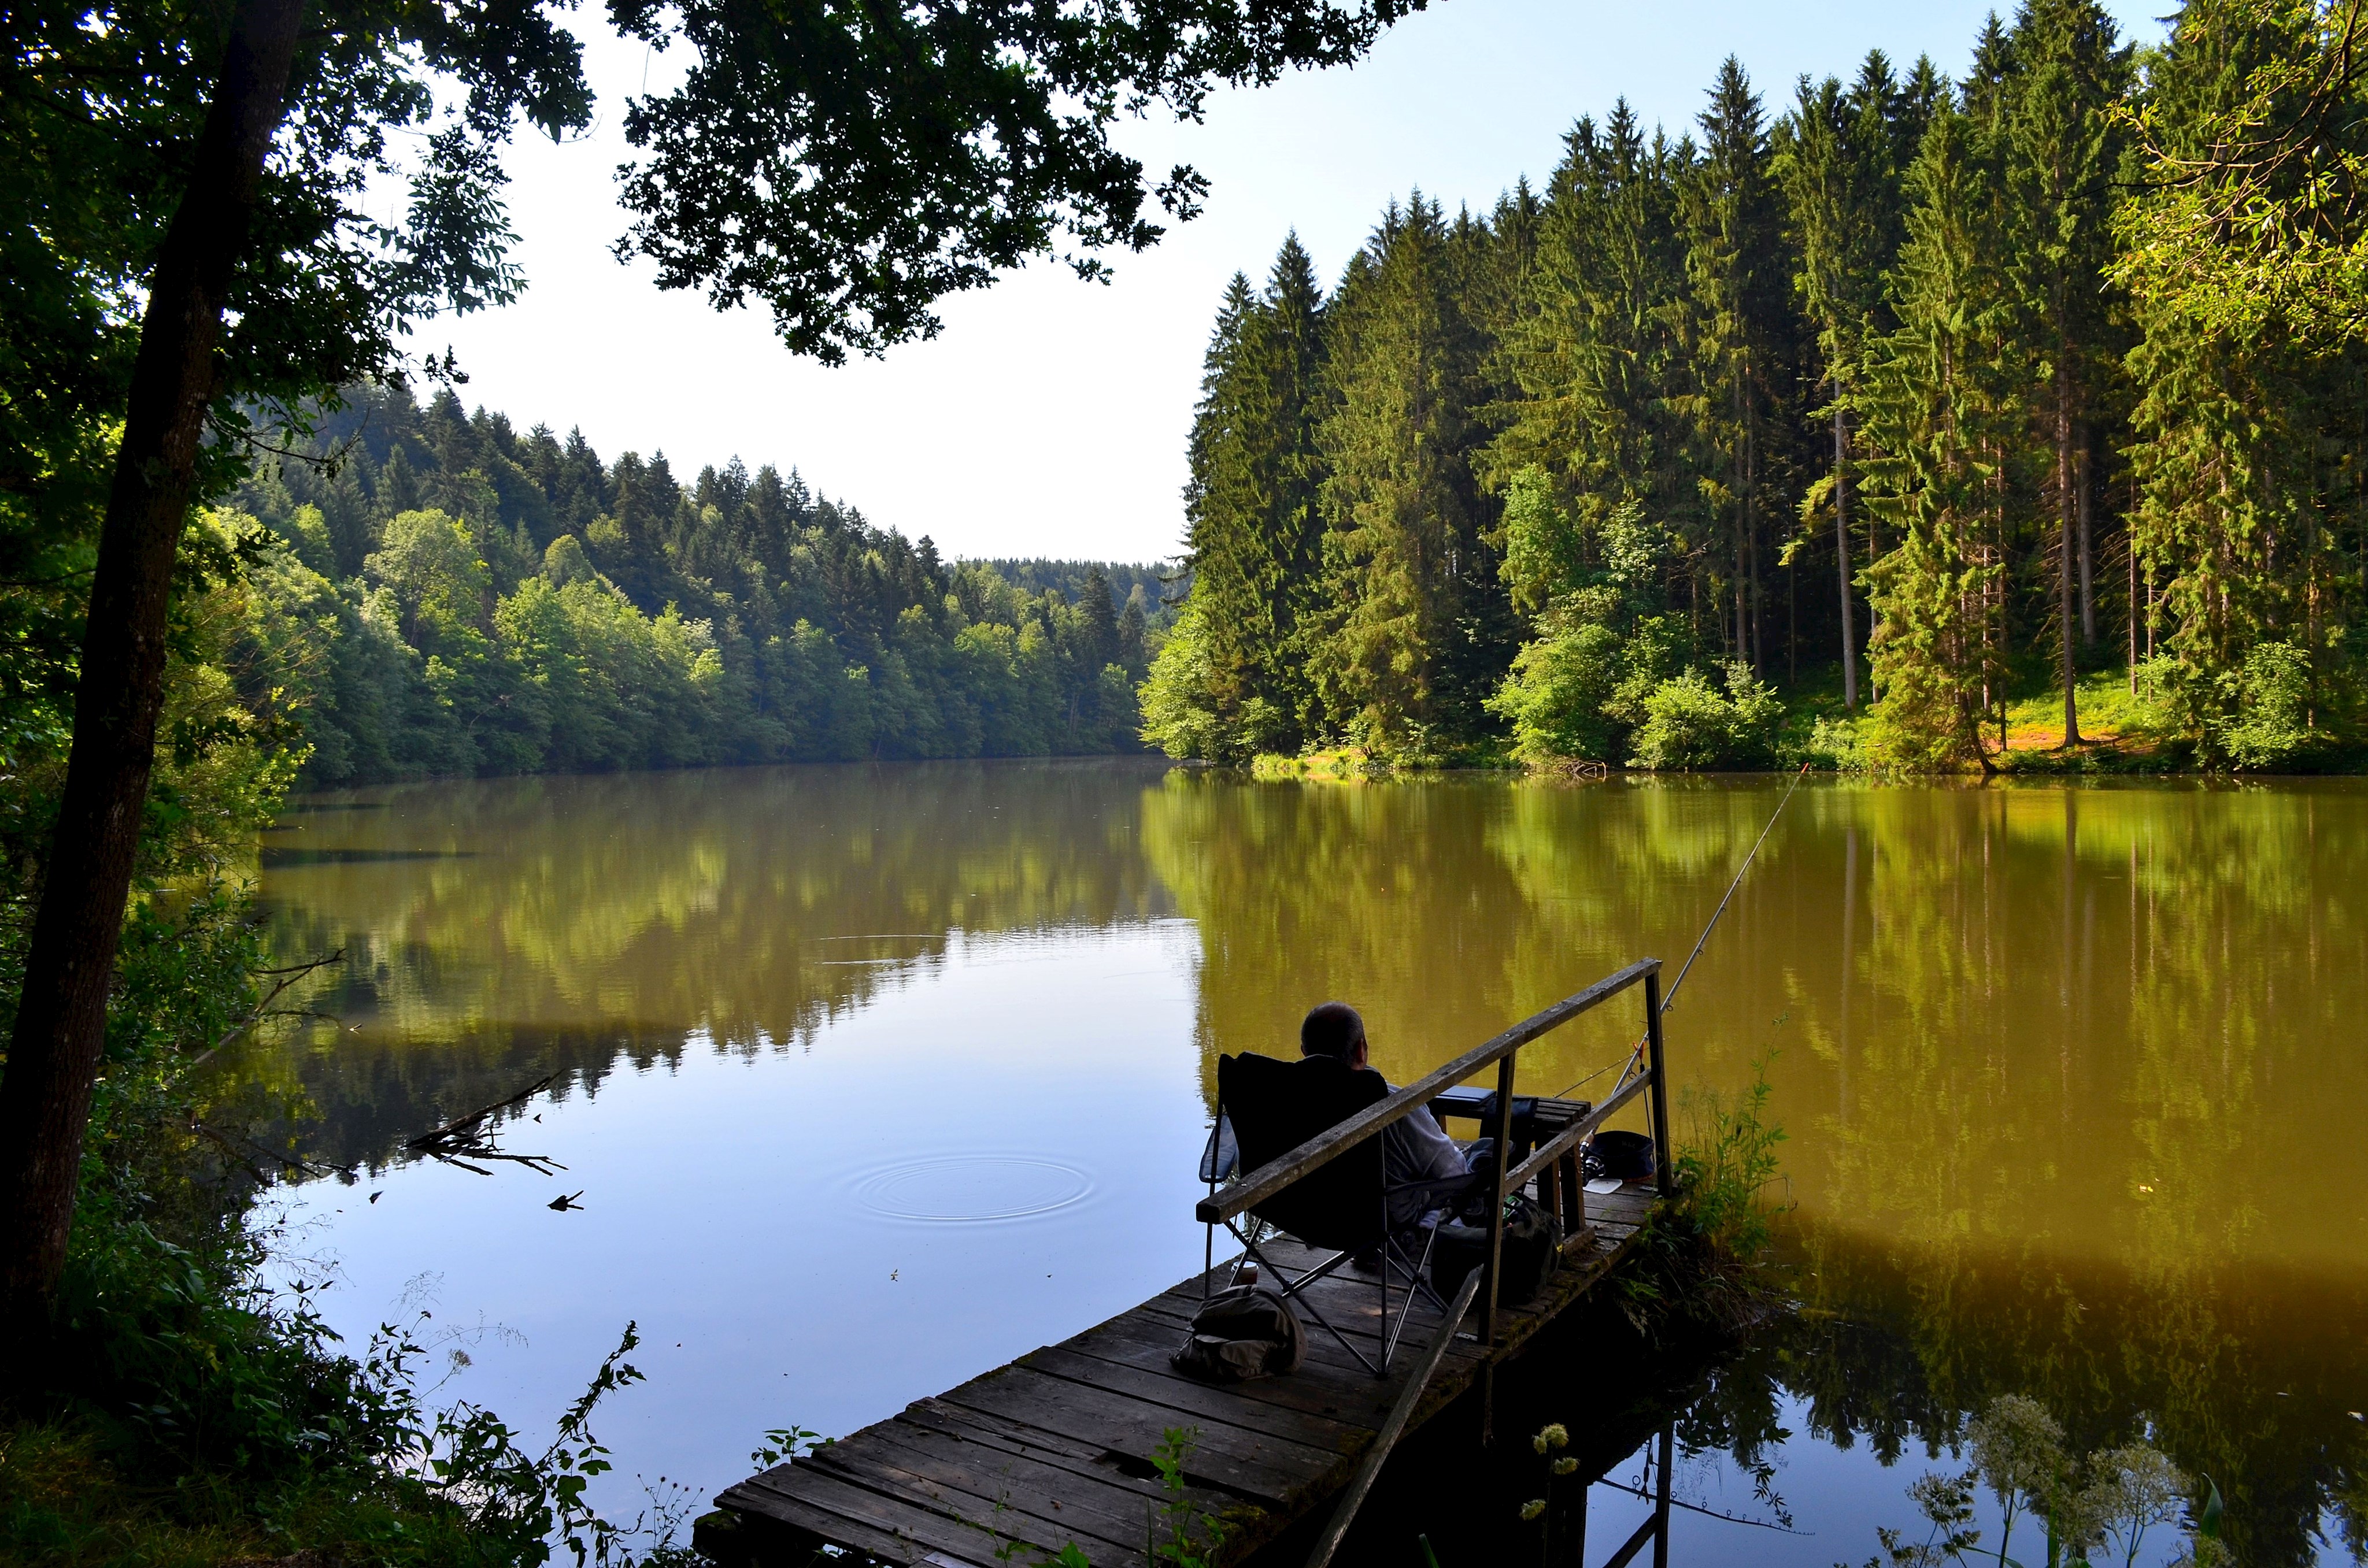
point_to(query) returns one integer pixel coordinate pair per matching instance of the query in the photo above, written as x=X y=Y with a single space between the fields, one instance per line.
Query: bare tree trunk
x=1842 y=552
x=2066 y=526
x=2134 y=615
x=1791 y=625
x=1998 y=594
x=2084 y=478
x=53 y=1054
x=1742 y=526
x=1751 y=548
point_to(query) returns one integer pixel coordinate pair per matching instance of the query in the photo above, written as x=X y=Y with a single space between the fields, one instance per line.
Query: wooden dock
x=1056 y=1448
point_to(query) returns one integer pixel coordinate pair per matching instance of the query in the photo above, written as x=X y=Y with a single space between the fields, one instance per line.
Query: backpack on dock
x=1244 y=1333
x=1533 y=1247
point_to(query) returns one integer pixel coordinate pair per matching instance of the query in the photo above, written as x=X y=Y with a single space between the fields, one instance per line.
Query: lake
x=872 y=1077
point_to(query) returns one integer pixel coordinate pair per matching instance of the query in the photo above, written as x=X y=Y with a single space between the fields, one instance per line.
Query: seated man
x=1413 y=1147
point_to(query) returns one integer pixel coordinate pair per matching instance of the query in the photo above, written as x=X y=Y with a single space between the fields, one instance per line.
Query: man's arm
x=1428 y=1153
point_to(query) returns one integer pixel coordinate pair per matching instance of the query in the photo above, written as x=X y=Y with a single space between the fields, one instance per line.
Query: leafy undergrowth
x=1706 y=1256
x=177 y=1409
x=1351 y=764
x=1338 y=764
x=70 y=1497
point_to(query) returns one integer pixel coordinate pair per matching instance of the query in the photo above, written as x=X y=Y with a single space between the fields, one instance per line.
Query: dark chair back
x=1275 y=1106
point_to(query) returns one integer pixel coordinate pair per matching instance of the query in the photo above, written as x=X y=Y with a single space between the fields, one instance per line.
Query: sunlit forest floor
x=2116 y=724
x=2121 y=731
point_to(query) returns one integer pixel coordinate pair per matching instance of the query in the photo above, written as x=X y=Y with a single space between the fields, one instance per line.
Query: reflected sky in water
x=873 y=1077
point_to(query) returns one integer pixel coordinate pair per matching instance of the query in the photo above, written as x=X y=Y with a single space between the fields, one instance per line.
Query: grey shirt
x=1413 y=1148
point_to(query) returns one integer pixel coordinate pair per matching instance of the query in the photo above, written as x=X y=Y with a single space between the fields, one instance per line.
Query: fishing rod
x=1669 y=999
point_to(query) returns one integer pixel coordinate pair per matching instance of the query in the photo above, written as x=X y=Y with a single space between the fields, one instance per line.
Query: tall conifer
x=1404 y=554
x=1736 y=261
x=1939 y=408
x=2068 y=69
x=1596 y=359
x=1255 y=532
x=2252 y=426
x=1841 y=158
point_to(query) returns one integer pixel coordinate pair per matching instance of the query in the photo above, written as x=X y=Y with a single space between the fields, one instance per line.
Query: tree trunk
x=2133 y=616
x=1792 y=625
x=1751 y=550
x=1742 y=524
x=2083 y=478
x=2065 y=526
x=53 y=1054
x=1841 y=552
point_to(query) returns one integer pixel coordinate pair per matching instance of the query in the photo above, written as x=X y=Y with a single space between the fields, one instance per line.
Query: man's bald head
x=1334 y=1029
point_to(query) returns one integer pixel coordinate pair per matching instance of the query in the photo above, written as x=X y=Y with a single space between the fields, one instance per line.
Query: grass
x=69 y=1498
x=2121 y=731
x=1341 y=765
x=1356 y=764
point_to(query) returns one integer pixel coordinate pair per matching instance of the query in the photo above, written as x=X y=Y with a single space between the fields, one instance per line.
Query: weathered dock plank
x=1055 y=1449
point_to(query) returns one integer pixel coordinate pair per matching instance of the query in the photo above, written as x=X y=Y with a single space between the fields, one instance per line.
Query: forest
x=434 y=593
x=1885 y=420
x=237 y=556
x=1858 y=426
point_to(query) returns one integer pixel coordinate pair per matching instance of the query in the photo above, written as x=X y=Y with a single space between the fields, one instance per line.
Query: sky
x=1050 y=416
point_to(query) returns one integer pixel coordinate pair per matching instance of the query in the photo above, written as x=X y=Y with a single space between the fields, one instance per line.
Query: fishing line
x=1670 y=1000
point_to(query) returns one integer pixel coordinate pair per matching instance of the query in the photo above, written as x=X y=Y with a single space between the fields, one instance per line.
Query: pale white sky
x=1050 y=416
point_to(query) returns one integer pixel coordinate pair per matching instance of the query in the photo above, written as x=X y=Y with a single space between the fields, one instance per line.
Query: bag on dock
x=1246 y=1331
x=1625 y=1156
x=1533 y=1248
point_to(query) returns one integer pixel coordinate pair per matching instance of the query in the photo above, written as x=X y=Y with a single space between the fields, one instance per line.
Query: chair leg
x=1290 y=1287
x=1362 y=1359
x=1391 y=1252
x=1293 y=1287
x=1310 y=1278
x=1249 y=1249
x=1415 y=1269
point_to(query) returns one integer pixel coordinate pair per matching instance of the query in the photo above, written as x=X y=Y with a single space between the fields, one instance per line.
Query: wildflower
x=1551 y=1438
x=1563 y=1466
x=1533 y=1508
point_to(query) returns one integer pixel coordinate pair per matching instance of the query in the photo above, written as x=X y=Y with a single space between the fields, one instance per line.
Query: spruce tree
x=1595 y=357
x=2062 y=150
x=1841 y=161
x=1736 y=261
x=1254 y=529
x=1404 y=554
x=1940 y=409
x=2250 y=429
x=1285 y=357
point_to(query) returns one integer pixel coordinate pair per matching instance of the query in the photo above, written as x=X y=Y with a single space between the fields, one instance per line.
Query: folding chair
x=1265 y=1107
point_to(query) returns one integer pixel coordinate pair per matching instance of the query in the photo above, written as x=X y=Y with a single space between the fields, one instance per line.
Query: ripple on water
x=971 y=1188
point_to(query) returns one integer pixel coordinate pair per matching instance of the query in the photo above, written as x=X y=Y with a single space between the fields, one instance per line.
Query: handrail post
x=1497 y=1208
x=1661 y=1496
x=1664 y=1174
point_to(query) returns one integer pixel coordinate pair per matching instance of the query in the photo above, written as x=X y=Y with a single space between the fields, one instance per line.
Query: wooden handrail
x=1280 y=1173
x=1567 y=1139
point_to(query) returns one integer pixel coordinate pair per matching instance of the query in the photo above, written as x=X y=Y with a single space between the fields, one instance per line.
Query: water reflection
x=2072 y=1076
x=496 y=931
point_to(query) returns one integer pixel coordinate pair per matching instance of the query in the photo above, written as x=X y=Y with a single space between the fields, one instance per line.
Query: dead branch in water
x=288 y=976
x=466 y=1138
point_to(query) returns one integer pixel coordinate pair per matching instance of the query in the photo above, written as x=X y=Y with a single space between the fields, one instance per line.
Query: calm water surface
x=870 y=1078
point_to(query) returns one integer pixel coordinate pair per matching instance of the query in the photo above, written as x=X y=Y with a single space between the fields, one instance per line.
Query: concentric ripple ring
x=971 y=1188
